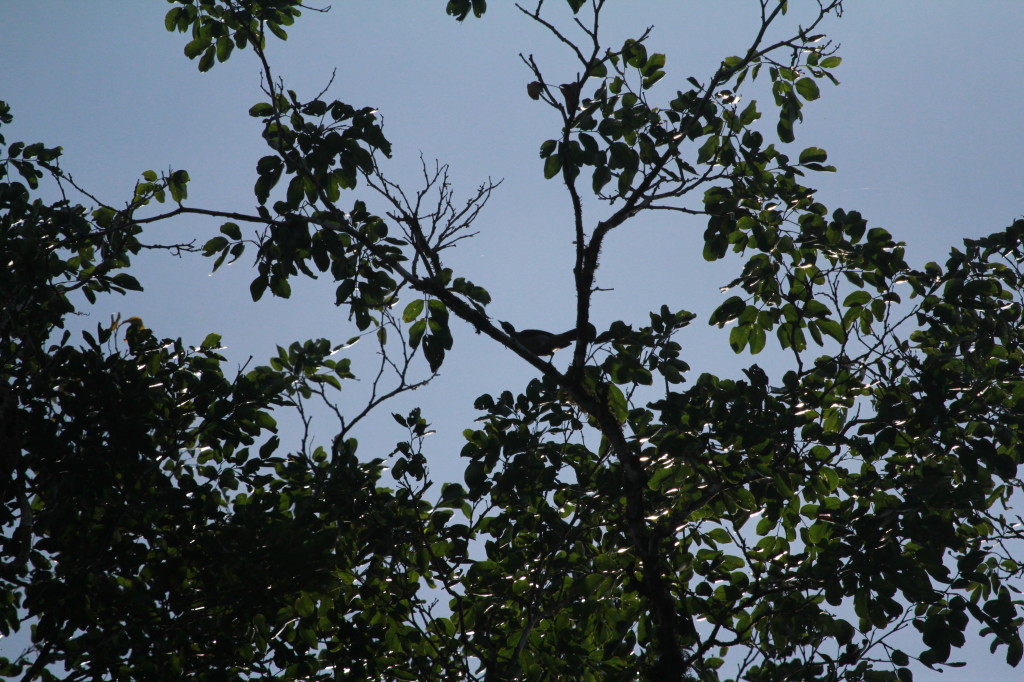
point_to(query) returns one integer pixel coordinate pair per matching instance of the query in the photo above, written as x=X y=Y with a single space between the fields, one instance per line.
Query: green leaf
x=602 y=175
x=232 y=230
x=731 y=309
x=750 y=113
x=416 y=332
x=784 y=129
x=434 y=351
x=171 y=19
x=813 y=154
x=280 y=287
x=715 y=248
x=617 y=403
x=707 y=151
x=195 y=47
x=475 y=476
x=833 y=329
x=257 y=287
x=214 y=245
x=808 y=89
x=304 y=606
x=552 y=166
x=857 y=299
x=598 y=69
x=211 y=341
x=738 y=337
x=276 y=29
x=649 y=81
x=470 y=290
x=413 y=310
x=126 y=281
x=261 y=109
x=1014 y=651
x=177 y=184
x=757 y=340
x=224 y=48
x=655 y=62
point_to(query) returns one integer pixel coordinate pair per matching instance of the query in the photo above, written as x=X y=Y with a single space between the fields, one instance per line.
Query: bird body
x=540 y=342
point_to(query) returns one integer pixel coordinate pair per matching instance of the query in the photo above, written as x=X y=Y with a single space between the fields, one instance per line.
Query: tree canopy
x=843 y=512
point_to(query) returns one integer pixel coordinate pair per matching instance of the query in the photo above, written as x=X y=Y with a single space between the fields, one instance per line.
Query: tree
x=617 y=520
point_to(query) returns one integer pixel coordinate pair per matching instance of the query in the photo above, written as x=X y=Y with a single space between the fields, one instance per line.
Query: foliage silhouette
x=618 y=520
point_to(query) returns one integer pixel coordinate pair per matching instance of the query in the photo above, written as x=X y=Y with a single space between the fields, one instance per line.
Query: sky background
x=924 y=129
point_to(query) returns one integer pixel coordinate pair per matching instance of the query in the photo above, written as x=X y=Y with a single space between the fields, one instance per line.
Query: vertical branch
x=671 y=624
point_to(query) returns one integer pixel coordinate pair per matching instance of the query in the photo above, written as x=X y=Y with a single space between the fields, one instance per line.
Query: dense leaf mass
x=621 y=520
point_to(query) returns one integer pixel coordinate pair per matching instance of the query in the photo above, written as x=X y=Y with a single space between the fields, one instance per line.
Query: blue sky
x=924 y=130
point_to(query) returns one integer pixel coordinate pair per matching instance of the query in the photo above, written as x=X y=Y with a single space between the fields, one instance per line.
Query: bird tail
x=565 y=337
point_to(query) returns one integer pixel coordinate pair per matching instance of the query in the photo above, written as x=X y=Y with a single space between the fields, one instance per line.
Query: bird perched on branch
x=540 y=342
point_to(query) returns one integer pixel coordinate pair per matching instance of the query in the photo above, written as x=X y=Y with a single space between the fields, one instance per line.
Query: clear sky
x=925 y=131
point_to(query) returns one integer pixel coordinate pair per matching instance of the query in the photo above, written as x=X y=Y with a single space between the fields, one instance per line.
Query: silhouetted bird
x=541 y=342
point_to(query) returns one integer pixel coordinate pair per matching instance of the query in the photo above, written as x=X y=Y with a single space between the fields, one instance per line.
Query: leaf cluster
x=624 y=519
